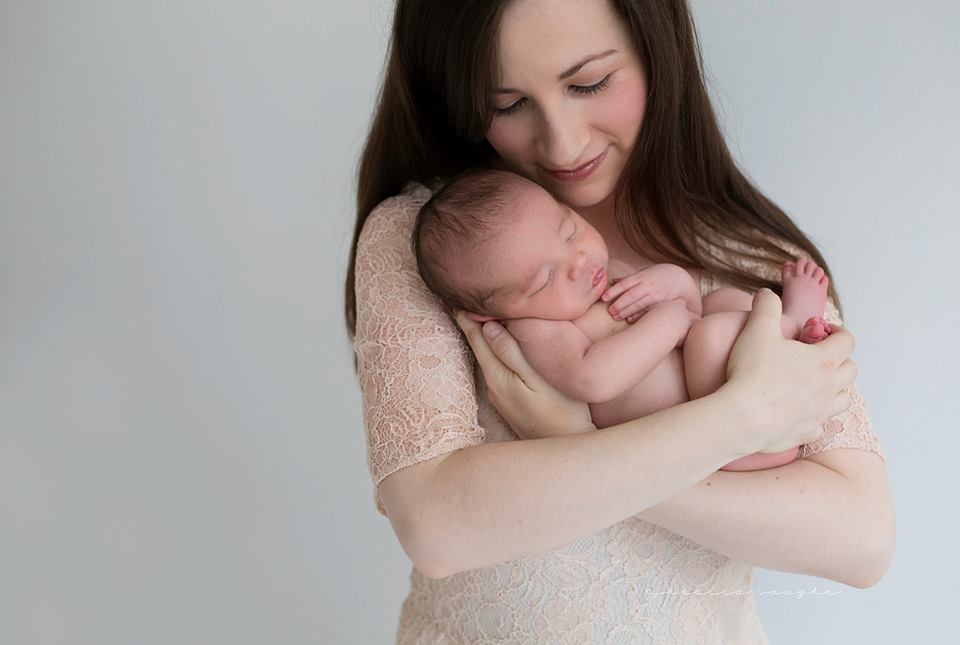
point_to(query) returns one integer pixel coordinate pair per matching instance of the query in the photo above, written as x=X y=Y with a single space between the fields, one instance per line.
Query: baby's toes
x=818 y=273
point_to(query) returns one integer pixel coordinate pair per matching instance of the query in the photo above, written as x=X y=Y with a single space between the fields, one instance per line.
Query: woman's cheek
x=506 y=142
x=623 y=111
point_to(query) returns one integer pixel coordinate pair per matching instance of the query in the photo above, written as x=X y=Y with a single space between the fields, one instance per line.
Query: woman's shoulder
x=408 y=201
x=394 y=217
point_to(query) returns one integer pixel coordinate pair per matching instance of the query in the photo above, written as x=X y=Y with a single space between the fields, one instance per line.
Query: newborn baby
x=500 y=247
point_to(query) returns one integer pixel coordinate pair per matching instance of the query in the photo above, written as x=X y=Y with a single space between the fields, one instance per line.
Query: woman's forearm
x=497 y=502
x=801 y=518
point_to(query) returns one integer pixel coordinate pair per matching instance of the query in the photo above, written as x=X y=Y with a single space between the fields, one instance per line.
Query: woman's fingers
x=838 y=345
x=473 y=330
x=497 y=350
x=766 y=303
x=841 y=402
x=846 y=374
x=529 y=404
x=763 y=322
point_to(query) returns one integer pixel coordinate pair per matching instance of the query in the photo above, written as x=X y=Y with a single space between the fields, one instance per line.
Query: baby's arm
x=597 y=372
x=645 y=288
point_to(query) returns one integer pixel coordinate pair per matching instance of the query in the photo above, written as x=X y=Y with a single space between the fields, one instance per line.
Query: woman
x=628 y=533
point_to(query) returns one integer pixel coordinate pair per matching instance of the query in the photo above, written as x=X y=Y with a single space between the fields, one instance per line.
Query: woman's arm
x=828 y=515
x=496 y=502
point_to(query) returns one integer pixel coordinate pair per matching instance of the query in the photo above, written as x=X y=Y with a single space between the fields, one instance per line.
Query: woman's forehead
x=548 y=37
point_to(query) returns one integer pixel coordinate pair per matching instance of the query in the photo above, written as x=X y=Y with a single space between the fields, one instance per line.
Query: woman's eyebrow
x=576 y=68
x=567 y=74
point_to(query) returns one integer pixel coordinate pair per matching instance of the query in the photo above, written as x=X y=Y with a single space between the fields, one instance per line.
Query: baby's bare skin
x=671 y=379
x=662 y=388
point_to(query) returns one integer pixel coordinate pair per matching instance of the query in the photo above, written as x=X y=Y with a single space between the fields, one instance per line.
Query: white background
x=182 y=456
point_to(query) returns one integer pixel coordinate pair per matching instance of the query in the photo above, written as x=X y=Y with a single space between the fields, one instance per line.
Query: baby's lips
x=598 y=275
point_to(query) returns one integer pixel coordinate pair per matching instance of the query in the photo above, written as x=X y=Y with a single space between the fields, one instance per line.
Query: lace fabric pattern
x=424 y=396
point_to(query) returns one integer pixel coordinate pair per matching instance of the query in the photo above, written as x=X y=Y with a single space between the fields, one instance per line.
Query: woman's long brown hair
x=681 y=191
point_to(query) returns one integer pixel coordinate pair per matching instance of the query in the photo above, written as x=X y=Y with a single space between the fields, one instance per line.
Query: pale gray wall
x=181 y=448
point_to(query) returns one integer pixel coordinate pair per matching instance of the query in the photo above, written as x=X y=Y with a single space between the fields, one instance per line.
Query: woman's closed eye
x=599 y=86
x=586 y=90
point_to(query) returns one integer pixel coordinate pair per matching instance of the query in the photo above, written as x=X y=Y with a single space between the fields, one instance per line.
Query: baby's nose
x=578 y=266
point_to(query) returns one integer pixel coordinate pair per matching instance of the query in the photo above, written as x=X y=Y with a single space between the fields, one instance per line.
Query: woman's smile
x=580 y=172
x=570 y=98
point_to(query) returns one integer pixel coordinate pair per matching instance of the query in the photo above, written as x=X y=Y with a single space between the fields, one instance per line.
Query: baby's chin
x=542 y=315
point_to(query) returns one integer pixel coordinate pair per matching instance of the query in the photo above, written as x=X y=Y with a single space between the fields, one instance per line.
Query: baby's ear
x=478 y=317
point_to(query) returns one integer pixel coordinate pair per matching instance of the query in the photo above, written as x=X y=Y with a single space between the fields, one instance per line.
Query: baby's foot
x=804 y=290
x=814 y=330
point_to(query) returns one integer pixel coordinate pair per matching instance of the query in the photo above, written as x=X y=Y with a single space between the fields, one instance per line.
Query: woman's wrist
x=565 y=423
x=743 y=416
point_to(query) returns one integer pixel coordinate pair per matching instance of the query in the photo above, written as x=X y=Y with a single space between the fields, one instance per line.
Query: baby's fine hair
x=452 y=226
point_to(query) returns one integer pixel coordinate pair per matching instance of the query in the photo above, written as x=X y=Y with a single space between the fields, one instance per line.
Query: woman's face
x=570 y=97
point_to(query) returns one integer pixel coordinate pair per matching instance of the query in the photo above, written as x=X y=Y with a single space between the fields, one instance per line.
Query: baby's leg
x=727 y=299
x=705 y=353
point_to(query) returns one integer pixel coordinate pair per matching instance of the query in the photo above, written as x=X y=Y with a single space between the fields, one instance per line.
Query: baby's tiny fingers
x=634 y=308
x=630 y=303
x=619 y=287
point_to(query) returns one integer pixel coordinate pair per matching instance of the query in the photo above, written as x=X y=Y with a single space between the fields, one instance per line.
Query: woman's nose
x=561 y=139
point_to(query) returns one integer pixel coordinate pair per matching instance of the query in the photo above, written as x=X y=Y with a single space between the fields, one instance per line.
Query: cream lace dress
x=424 y=396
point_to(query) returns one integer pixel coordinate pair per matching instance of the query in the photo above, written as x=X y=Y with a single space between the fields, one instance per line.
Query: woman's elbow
x=873 y=552
x=879 y=557
x=419 y=542
x=408 y=508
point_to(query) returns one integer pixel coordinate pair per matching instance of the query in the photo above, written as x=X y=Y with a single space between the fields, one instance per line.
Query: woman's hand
x=786 y=389
x=531 y=406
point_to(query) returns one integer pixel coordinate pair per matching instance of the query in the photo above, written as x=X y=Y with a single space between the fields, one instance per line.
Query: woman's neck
x=602 y=217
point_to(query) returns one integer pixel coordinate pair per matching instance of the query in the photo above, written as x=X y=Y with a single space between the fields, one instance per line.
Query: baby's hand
x=638 y=292
x=680 y=318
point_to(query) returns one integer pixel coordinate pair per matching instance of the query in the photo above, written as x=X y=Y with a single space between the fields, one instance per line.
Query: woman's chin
x=582 y=197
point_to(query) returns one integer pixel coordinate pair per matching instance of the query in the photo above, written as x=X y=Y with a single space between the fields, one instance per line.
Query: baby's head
x=499 y=246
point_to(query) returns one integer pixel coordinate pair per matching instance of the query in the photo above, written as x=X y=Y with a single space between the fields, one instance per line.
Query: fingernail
x=491 y=329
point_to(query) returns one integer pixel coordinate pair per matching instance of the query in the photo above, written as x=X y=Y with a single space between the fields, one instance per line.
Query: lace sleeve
x=414 y=368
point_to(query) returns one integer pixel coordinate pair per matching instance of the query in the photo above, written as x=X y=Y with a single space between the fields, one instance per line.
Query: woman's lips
x=580 y=172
